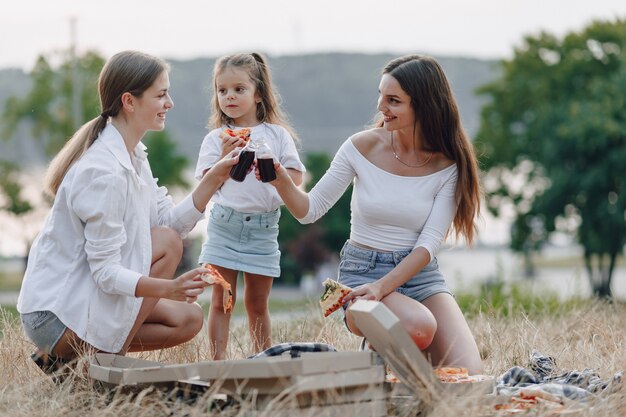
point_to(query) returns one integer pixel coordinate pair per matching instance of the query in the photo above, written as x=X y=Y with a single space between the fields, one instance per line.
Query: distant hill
x=327 y=96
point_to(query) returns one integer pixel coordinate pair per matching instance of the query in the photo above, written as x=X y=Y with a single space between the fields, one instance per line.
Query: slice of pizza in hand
x=333 y=297
x=214 y=277
x=238 y=133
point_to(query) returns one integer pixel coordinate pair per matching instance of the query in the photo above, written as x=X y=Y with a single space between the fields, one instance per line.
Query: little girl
x=243 y=222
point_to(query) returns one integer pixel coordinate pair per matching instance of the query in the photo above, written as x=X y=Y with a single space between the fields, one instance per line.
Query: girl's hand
x=230 y=143
x=371 y=291
x=188 y=286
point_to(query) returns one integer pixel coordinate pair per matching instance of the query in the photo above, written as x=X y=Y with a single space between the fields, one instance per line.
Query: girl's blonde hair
x=129 y=71
x=438 y=117
x=268 y=109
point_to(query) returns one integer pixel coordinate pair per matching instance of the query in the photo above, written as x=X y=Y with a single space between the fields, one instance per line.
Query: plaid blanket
x=544 y=375
x=294 y=349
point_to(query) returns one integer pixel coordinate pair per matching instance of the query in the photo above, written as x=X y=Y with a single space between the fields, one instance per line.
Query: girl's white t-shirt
x=250 y=195
x=389 y=212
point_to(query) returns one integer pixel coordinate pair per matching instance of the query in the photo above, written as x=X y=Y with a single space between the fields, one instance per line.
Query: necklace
x=421 y=164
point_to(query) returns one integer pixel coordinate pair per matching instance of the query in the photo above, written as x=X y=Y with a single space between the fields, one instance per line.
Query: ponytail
x=73 y=149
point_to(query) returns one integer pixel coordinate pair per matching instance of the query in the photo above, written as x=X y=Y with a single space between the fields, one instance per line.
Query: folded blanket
x=294 y=349
x=544 y=375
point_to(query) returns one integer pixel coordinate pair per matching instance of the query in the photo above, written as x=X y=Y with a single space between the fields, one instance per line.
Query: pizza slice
x=451 y=374
x=214 y=277
x=333 y=297
x=243 y=133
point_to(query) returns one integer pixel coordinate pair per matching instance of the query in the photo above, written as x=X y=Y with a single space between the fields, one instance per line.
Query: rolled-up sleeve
x=100 y=204
x=181 y=217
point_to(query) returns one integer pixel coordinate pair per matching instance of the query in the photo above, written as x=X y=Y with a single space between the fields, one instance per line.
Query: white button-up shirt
x=96 y=244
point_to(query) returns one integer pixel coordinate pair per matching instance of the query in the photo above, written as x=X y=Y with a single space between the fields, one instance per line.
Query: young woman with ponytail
x=99 y=275
x=415 y=176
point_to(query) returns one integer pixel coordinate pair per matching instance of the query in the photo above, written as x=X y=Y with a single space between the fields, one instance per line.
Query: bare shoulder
x=440 y=162
x=368 y=141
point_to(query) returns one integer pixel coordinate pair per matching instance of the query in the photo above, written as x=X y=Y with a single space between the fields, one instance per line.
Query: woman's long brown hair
x=438 y=118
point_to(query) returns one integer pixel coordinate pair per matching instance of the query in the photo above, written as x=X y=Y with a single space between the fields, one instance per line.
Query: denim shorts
x=43 y=328
x=245 y=242
x=360 y=266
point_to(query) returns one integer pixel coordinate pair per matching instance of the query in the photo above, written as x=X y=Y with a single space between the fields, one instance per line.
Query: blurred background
x=541 y=86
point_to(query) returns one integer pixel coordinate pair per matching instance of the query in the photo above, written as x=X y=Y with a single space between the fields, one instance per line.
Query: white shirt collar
x=112 y=139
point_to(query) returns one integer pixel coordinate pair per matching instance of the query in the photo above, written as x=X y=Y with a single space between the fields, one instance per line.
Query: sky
x=186 y=29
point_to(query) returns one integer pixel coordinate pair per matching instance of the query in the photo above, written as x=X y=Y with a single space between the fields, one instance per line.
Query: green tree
x=558 y=108
x=305 y=247
x=12 y=200
x=166 y=163
x=47 y=106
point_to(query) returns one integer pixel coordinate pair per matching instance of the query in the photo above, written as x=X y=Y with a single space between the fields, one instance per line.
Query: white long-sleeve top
x=95 y=244
x=389 y=212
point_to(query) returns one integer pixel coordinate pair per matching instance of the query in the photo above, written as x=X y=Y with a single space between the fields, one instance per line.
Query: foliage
x=305 y=247
x=166 y=163
x=553 y=143
x=510 y=299
x=11 y=188
x=48 y=105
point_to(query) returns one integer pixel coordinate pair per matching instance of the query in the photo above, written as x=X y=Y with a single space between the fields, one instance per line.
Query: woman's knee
x=192 y=321
x=421 y=327
x=166 y=242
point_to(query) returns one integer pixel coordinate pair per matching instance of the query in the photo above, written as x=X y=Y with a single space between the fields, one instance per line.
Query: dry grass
x=591 y=336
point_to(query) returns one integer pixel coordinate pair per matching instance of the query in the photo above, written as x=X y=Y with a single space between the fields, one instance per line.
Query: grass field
x=579 y=334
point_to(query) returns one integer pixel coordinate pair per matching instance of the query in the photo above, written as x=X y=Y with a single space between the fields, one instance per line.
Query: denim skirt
x=43 y=328
x=245 y=242
x=360 y=266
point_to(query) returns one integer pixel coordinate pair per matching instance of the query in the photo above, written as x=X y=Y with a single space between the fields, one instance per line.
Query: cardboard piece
x=385 y=334
x=313 y=380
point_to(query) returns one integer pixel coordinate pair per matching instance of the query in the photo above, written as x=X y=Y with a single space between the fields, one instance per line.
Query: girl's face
x=237 y=97
x=154 y=103
x=395 y=105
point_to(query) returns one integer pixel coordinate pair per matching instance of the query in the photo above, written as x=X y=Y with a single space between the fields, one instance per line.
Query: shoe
x=55 y=367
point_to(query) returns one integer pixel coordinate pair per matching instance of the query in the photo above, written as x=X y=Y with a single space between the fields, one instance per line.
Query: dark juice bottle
x=239 y=171
x=266 y=169
x=265 y=161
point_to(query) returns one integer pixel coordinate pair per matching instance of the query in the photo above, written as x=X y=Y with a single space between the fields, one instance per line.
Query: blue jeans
x=360 y=266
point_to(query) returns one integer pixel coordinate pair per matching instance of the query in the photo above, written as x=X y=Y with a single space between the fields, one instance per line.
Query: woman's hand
x=188 y=286
x=213 y=179
x=282 y=175
x=371 y=291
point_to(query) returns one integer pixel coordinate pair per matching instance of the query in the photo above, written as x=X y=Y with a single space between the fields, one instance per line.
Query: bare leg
x=167 y=250
x=256 y=297
x=219 y=322
x=414 y=316
x=453 y=344
x=166 y=254
x=170 y=323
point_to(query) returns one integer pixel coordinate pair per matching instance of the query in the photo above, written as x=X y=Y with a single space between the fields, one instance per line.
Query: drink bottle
x=265 y=161
x=239 y=171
